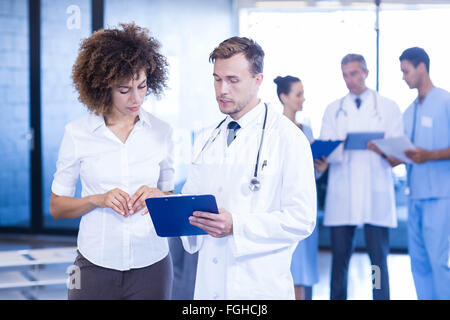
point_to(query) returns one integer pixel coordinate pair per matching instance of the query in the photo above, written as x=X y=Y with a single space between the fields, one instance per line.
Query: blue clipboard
x=359 y=140
x=170 y=215
x=321 y=148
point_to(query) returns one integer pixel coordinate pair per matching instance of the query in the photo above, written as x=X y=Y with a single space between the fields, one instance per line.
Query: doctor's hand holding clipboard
x=392 y=160
x=216 y=225
x=187 y=215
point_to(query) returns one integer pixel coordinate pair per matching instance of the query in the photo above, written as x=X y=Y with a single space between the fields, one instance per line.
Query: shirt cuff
x=61 y=190
x=192 y=244
x=165 y=186
x=237 y=239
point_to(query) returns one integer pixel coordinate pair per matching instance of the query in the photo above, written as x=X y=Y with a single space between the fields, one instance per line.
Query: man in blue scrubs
x=427 y=124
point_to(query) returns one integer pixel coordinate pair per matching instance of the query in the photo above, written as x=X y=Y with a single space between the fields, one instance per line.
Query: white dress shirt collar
x=96 y=121
x=362 y=96
x=248 y=118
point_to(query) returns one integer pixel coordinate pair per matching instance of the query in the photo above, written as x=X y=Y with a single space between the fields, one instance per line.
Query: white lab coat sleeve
x=192 y=184
x=264 y=232
x=193 y=244
x=328 y=131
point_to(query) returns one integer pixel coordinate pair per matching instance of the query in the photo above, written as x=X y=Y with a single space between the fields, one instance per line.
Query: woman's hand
x=137 y=201
x=321 y=165
x=115 y=199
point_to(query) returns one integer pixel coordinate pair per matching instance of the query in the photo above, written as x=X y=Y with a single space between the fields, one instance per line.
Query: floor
x=359 y=285
x=360 y=277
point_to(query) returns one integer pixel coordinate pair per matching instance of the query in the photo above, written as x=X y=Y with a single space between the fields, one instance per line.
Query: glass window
x=64 y=23
x=187 y=45
x=15 y=136
x=399 y=31
x=309 y=43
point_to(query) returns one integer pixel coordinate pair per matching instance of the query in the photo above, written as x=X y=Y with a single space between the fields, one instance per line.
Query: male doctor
x=360 y=184
x=259 y=167
x=427 y=124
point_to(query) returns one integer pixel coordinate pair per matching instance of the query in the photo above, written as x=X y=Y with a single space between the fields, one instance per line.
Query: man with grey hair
x=360 y=184
x=353 y=57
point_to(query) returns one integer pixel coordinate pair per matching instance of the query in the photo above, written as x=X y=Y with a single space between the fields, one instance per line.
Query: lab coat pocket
x=270 y=184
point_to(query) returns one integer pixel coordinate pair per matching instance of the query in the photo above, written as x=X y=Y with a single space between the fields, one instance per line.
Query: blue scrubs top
x=427 y=124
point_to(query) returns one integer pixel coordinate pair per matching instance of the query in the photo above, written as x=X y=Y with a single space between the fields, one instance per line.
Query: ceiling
x=302 y=3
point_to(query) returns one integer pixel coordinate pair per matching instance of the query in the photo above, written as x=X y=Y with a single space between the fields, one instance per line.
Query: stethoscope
x=254 y=184
x=341 y=106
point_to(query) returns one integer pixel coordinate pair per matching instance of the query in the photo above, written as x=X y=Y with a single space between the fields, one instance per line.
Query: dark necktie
x=358 y=102
x=233 y=126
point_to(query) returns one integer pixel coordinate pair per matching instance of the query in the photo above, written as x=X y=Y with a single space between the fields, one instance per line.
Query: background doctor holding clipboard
x=259 y=167
x=427 y=123
x=360 y=184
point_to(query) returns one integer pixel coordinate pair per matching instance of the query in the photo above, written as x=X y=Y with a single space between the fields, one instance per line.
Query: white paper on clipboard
x=395 y=147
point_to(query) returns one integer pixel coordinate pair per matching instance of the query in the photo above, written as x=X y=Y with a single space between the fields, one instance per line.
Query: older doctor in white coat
x=247 y=252
x=360 y=183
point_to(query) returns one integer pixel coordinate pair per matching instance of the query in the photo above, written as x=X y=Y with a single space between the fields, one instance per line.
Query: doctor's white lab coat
x=360 y=182
x=254 y=262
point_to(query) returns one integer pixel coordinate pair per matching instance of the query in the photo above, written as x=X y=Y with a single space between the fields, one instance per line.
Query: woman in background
x=304 y=259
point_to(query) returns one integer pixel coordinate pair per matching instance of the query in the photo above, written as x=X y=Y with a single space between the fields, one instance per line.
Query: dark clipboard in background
x=170 y=215
x=324 y=148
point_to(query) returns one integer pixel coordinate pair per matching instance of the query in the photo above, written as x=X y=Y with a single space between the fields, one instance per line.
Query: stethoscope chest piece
x=254 y=184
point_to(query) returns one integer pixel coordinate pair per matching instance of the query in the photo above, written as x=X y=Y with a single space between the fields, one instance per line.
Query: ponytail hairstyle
x=284 y=85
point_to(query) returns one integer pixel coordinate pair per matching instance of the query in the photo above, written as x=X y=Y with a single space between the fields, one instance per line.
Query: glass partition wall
x=309 y=42
x=39 y=41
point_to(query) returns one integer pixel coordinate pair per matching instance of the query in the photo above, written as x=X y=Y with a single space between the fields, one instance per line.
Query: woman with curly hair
x=123 y=155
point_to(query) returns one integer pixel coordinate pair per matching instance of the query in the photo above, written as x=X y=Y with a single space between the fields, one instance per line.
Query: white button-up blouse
x=92 y=152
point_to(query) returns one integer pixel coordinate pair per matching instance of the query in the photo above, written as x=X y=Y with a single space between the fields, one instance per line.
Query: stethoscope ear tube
x=211 y=139
x=255 y=185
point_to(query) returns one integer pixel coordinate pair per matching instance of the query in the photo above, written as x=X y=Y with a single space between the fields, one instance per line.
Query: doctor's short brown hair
x=110 y=56
x=235 y=45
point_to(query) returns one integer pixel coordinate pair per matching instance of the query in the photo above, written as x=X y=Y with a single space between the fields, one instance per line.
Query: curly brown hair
x=110 y=56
